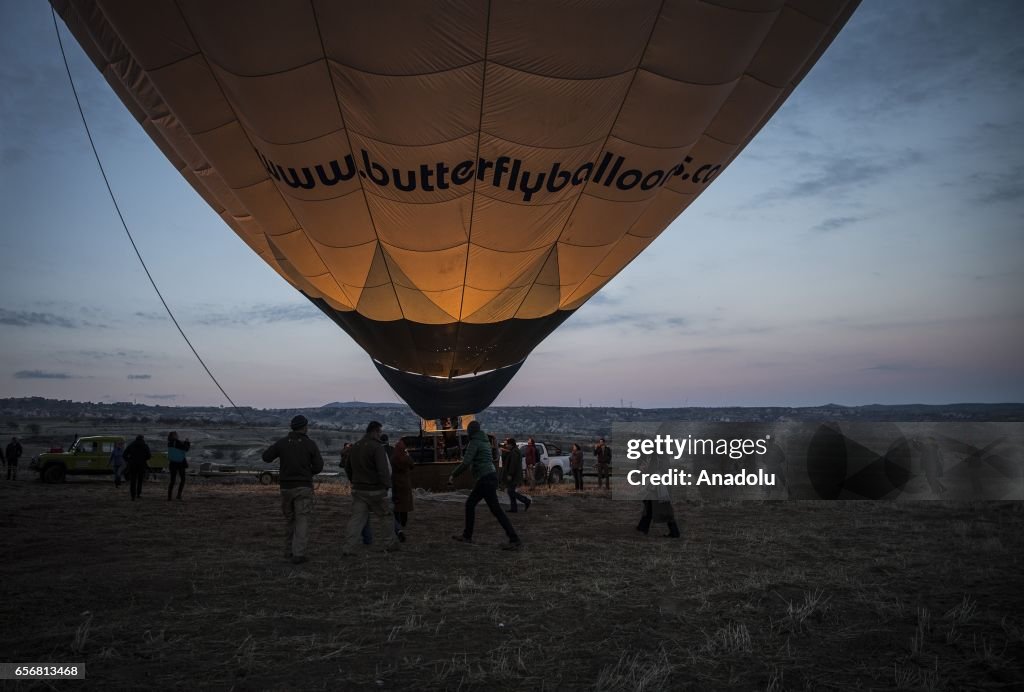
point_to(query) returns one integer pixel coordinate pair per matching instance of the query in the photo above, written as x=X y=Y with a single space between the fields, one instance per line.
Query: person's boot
x=644 y=526
x=673 y=529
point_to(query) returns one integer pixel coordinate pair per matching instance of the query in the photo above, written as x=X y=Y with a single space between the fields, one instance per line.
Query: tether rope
x=117 y=207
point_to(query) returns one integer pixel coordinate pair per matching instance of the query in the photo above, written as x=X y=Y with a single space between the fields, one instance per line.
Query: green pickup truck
x=87 y=456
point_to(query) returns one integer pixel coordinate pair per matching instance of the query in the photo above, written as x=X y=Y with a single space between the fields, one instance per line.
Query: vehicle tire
x=266 y=478
x=556 y=475
x=53 y=473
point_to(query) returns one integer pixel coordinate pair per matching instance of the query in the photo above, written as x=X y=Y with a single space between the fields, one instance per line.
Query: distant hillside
x=514 y=420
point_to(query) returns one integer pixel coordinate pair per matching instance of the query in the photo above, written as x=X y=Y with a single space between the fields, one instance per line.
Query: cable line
x=117 y=207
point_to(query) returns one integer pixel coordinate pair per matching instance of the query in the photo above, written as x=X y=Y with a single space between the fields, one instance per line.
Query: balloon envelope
x=449 y=181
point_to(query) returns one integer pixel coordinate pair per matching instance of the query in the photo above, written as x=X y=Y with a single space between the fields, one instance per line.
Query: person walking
x=512 y=475
x=657 y=505
x=532 y=457
x=346 y=451
x=401 y=487
x=370 y=473
x=177 y=462
x=13 y=453
x=116 y=462
x=137 y=455
x=659 y=511
x=603 y=454
x=300 y=461
x=576 y=465
x=477 y=457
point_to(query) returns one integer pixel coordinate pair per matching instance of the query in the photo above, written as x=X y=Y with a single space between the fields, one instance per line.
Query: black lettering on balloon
x=462 y=173
x=408 y=187
x=293 y=178
x=631 y=173
x=659 y=177
x=556 y=174
x=372 y=167
x=526 y=189
x=440 y=176
x=338 y=176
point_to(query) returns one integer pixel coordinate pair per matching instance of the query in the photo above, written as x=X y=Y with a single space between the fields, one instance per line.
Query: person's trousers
x=603 y=472
x=118 y=474
x=577 y=476
x=136 y=473
x=177 y=470
x=486 y=489
x=514 y=496
x=367 y=504
x=297 y=505
x=12 y=471
x=646 y=518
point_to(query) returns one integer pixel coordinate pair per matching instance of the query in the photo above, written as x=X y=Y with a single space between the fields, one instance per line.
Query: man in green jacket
x=477 y=457
x=369 y=471
x=300 y=461
x=512 y=475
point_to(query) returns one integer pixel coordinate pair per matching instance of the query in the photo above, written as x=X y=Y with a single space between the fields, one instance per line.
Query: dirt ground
x=783 y=595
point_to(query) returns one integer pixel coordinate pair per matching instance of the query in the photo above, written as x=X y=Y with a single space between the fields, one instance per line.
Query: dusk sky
x=866 y=247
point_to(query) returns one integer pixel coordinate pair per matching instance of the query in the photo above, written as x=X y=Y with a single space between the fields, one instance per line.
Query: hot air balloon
x=449 y=181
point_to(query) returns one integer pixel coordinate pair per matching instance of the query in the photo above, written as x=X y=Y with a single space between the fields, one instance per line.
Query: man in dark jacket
x=479 y=459
x=512 y=475
x=137 y=455
x=300 y=461
x=13 y=453
x=369 y=471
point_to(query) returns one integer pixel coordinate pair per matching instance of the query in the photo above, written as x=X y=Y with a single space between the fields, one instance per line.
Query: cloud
x=655 y=325
x=88 y=357
x=836 y=222
x=1008 y=187
x=94 y=354
x=263 y=314
x=837 y=175
x=897 y=367
x=711 y=350
x=42 y=375
x=159 y=397
x=140 y=377
x=885 y=69
x=602 y=298
x=25 y=318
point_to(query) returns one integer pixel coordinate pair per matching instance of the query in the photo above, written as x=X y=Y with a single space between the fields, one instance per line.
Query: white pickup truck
x=555 y=464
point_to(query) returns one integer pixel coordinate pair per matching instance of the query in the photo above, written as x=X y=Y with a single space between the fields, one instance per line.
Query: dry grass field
x=784 y=595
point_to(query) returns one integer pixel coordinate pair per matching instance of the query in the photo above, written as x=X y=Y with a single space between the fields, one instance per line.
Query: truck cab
x=553 y=465
x=87 y=456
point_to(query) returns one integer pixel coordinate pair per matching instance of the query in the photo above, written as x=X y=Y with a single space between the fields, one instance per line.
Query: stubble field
x=772 y=595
